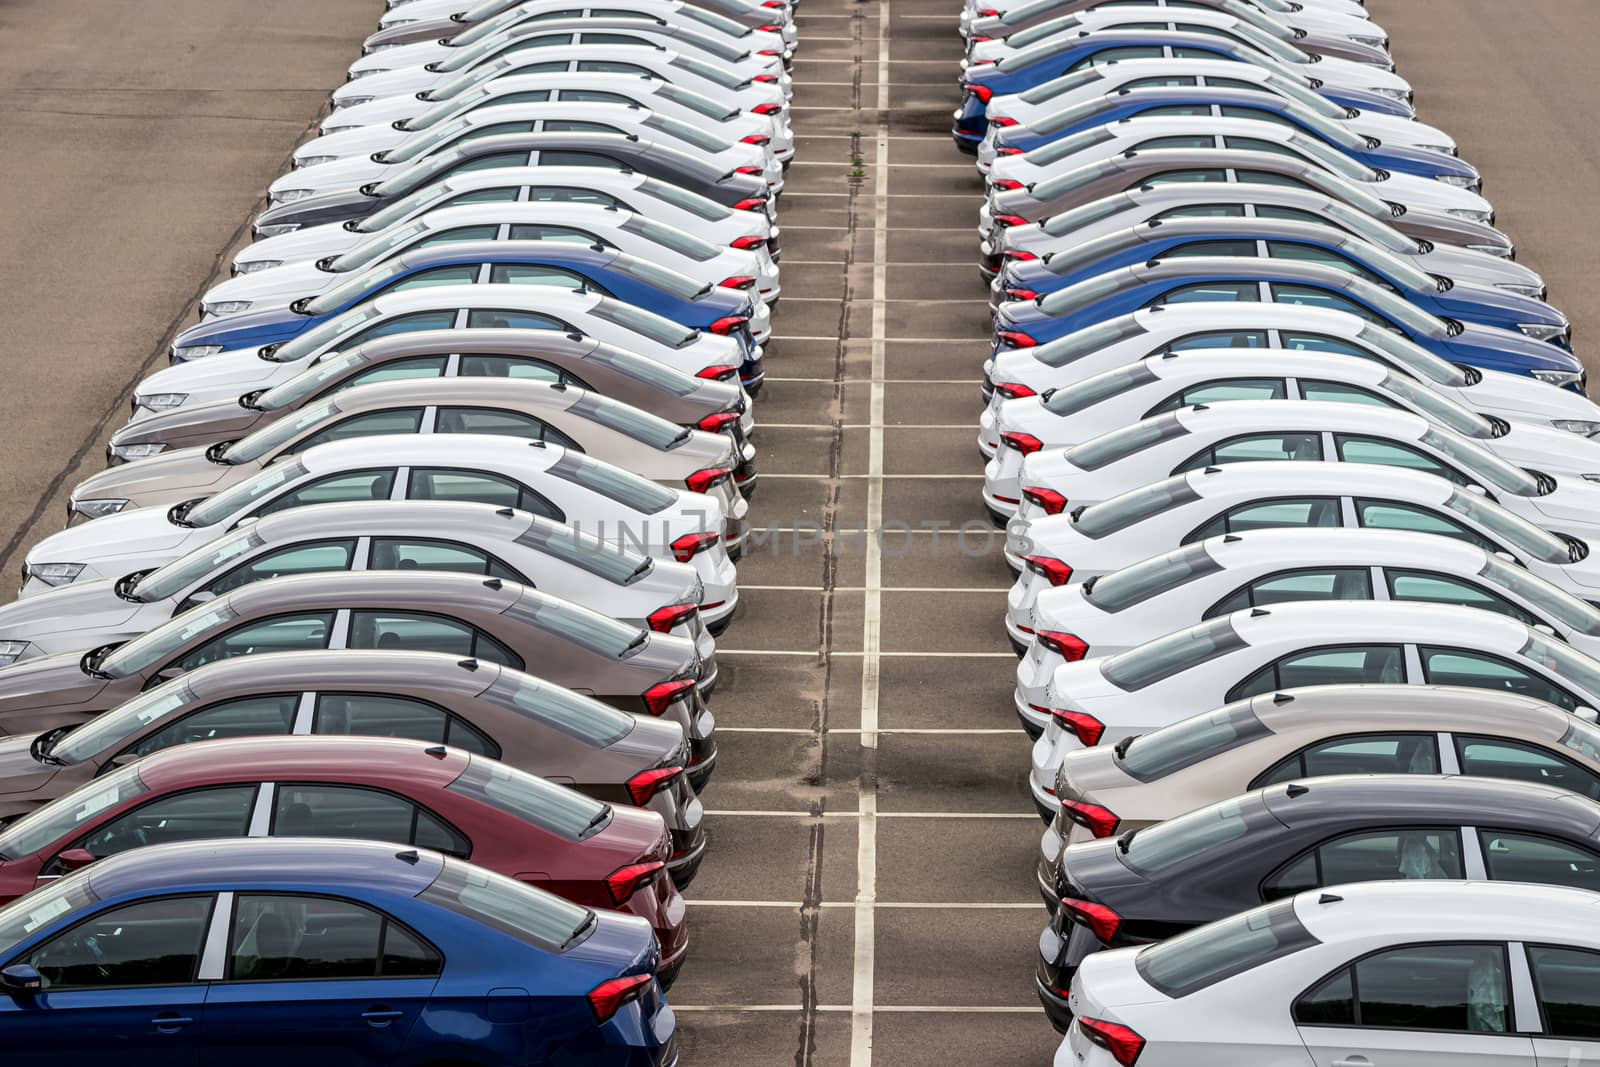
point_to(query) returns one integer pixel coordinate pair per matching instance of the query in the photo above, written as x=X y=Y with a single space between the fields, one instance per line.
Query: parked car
x=1348 y=17
x=310 y=936
x=432 y=15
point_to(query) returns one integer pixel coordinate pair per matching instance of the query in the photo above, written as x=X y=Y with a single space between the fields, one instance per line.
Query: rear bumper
x=702 y=761
x=1055 y=1006
x=683 y=869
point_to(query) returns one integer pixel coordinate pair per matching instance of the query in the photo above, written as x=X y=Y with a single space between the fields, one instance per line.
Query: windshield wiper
x=44 y=743
x=125 y=585
x=635 y=644
x=1121 y=747
x=178 y=511
x=1125 y=840
x=249 y=400
x=90 y=663
x=218 y=453
x=580 y=933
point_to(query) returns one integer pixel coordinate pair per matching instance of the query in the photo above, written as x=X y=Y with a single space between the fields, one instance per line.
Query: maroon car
x=384 y=789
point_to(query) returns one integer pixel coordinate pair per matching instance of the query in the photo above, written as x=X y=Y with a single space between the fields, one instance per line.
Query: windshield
x=1086 y=394
x=445 y=110
x=1292 y=87
x=421 y=144
x=105 y=732
x=684 y=200
x=421 y=172
x=596 y=632
x=24 y=917
x=1087 y=341
x=1581 y=737
x=702 y=139
x=1437 y=407
x=1398 y=309
x=1557 y=605
x=599 y=725
x=1120 y=444
x=1173 y=654
x=185 y=571
x=1059 y=86
x=223 y=506
x=512 y=907
x=1085 y=215
x=405 y=208
x=1331 y=159
x=1272 y=46
x=640 y=425
x=681 y=242
x=1413 y=357
x=356 y=288
x=668 y=281
x=1192 y=961
x=1123 y=511
x=487 y=27
x=60 y=818
x=662 y=331
x=1369 y=229
x=1137 y=583
x=696 y=102
x=150 y=649
x=1170 y=749
x=1086 y=292
x=379 y=247
x=314 y=341
x=521 y=795
x=449 y=90
x=310 y=381
x=1480 y=462
x=264 y=442
x=1524 y=536
x=1555 y=656
x=615 y=564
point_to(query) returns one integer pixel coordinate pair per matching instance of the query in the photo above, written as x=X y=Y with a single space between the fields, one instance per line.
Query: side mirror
x=1586 y=713
x=21 y=980
x=74 y=859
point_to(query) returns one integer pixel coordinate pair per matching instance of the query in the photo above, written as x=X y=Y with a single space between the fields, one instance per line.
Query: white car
x=1300 y=643
x=1284 y=329
x=1159 y=385
x=776 y=18
x=386 y=125
x=1347 y=17
x=970 y=8
x=602 y=501
x=627 y=191
x=1306 y=431
x=472 y=538
x=635 y=234
x=1411 y=972
x=207 y=376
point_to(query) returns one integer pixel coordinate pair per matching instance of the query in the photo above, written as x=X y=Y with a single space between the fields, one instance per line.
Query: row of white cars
x=1263 y=414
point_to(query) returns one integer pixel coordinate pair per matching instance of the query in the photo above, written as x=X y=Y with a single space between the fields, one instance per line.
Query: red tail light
x=1051 y=501
x=1099 y=821
x=767 y=79
x=749 y=170
x=748 y=244
x=1025 y=443
x=609 y=996
x=658 y=698
x=770 y=29
x=756 y=139
x=777 y=4
x=1089 y=730
x=1070 y=648
x=643 y=786
x=1097 y=917
x=624 y=882
x=1008 y=150
x=982 y=92
x=727 y=324
x=662 y=620
x=1002 y=121
x=717 y=372
x=1054 y=570
x=738 y=281
x=766 y=109
x=1021 y=294
x=718 y=421
x=701 y=481
x=1123 y=1044
x=988 y=13
x=1018 y=257
x=1016 y=338
x=1010 y=220
x=1005 y=185
x=984 y=62
x=1013 y=390
x=770 y=52
x=979 y=37
x=751 y=203
x=691 y=545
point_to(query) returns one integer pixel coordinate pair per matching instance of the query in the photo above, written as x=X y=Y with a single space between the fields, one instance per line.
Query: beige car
x=1322 y=730
x=553 y=413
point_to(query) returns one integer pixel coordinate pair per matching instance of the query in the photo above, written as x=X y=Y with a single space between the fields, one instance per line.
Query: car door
x=1566 y=983
x=1416 y=1006
x=1377 y=855
x=315 y=980
x=1336 y=665
x=119 y=986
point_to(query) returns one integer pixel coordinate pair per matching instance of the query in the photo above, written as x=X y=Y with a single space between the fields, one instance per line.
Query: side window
x=1210 y=248
x=370 y=424
x=334 y=489
x=1477 y=670
x=1446 y=589
x=540 y=231
x=286 y=633
x=1513 y=857
x=1183 y=177
x=1331 y=1002
x=258 y=716
x=371 y=715
x=1367 y=754
x=1216 y=392
x=1168 y=81
x=1202 y=211
x=594 y=96
x=576 y=126
x=502 y=424
x=1116 y=55
x=1254 y=448
x=1256 y=144
x=284 y=938
x=1491 y=757
x=578 y=159
x=398 y=370
x=520 y=367
x=530 y=274
x=1568 y=984
x=418 y=632
x=1371 y=856
x=461 y=274
x=1444 y=988
x=478 y=487
x=1353 y=449
x=1391 y=515
x=1319 y=512
x=150 y=942
x=368 y=814
x=1312 y=296
x=490 y=162
x=1350 y=665
x=1256 y=114
x=1306 y=253
x=1178 y=111
x=1198 y=140
x=1340 y=393
x=397 y=554
x=611 y=66
x=192 y=816
x=1267 y=177
x=511 y=319
x=1316 y=342
x=420 y=320
x=313 y=557
x=1334 y=583
x=1220 y=339
x=1210 y=293
x=1274 y=211
x=559 y=194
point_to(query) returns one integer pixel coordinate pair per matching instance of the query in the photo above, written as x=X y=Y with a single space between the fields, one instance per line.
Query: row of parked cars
x=1298 y=479
x=420 y=544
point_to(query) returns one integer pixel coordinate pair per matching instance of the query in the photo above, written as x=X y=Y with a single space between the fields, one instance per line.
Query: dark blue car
x=274 y=952
x=600 y=268
x=1215 y=279
x=1222 y=102
x=1295 y=242
x=1048 y=61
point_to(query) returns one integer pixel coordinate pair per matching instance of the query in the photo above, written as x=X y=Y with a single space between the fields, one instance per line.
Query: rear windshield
x=61 y=817
x=1084 y=215
x=1170 y=749
x=620 y=566
x=1072 y=259
x=1083 y=176
x=1120 y=512
x=1173 y=654
x=1118 y=445
x=512 y=907
x=546 y=805
x=665 y=279
x=687 y=133
x=694 y=101
x=1139 y=582
x=662 y=331
x=1086 y=394
x=709 y=71
x=647 y=371
x=684 y=200
x=633 y=422
x=614 y=483
x=1087 y=341
x=1059 y=86
x=598 y=633
x=1084 y=293
x=1167 y=844
x=1200 y=958
x=685 y=244
x=597 y=724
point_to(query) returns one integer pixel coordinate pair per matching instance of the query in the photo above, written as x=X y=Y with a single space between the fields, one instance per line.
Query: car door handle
x=170 y=1022
x=378 y=1015
x=1353 y=1061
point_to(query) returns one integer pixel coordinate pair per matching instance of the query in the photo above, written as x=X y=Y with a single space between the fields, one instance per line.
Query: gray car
x=480 y=619
x=484 y=708
x=652 y=158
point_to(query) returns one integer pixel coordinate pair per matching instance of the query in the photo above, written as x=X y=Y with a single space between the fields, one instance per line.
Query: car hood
x=330 y=207
x=90 y=608
x=1475 y=268
x=1395 y=130
x=344 y=173
x=311 y=243
x=275 y=287
x=185 y=472
x=236 y=371
x=220 y=420
x=1425 y=194
x=1332 y=70
x=140 y=532
x=19 y=771
x=1571 y=508
x=50 y=681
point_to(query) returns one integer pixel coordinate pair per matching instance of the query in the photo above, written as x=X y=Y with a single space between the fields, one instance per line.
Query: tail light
x=766 y=79
x=658 y=698
x=1008 y=150
x=1088 y=729
x=727 y=324
x=766 y=109
x=1016 y=339
x=1013 y=390
x=1098 y=821
x=1022 y=294
x=609 y=996
x=988 y=13
x=982 y=92
x=717 y=372
x=776 y=4
x=1097 y=917
x=980 y=37
x=756 y=138
x=770 y=52
x=1018 y=257
x=662 y=620
x=1005 y=185
x=751 y=203
x=1025 y=443
x=748 y=244
x=774 y=28
x=749 y=170
x=702 y=480
x=691 y=545
x=1002 y=121
x=735 y=281
x=1010 y=220
x=624 y=882
x=1049 y=568
x=1070 y=648
x=1123 y=1044
x=1051 y=501
x=718 y=421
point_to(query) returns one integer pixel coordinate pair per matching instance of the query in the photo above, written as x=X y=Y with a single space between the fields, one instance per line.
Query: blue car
x=599 y=268
x=266 y=952
x=1217 y=279
x=1276 y=241
x=1223 y=102
x=983 y=81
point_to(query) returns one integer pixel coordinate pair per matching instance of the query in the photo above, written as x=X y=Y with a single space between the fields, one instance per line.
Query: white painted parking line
x=951 y=589
x=917 y=166
x=783 y=476
x=885 y=381
x=908 y=196
x=1009 y=731
x=942 y=301
x=900 y=1009
x=770 y=813
x=882 y=905
x=891 y=263
x=844 y=654
x=865 y=426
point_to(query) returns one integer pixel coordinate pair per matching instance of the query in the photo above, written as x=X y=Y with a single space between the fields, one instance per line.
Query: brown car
x=480 y=707
x=537 y=355
x=479 y=619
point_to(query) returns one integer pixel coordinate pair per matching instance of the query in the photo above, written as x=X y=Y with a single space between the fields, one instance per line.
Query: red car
x=408 y=792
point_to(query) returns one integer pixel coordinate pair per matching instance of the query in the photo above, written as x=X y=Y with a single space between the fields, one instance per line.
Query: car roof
x=1312 y=547
x=518 y=392
x=1241 y=416
x=1422 y=909
x=1230 y=192
x=1267 y=228
x=1230 y=266
x=546 y=298
x=1441 y=707
x=1329 y=622
x=513 y=211
x=485 y=342
x=429 y=450
x=1200 y=363
x=1177 y=319
x=1393 y=799
x=343 y=670
x=266 y=863
x=336 y=590
x=384 y=518
x=397 y=763
x=1322 y=477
